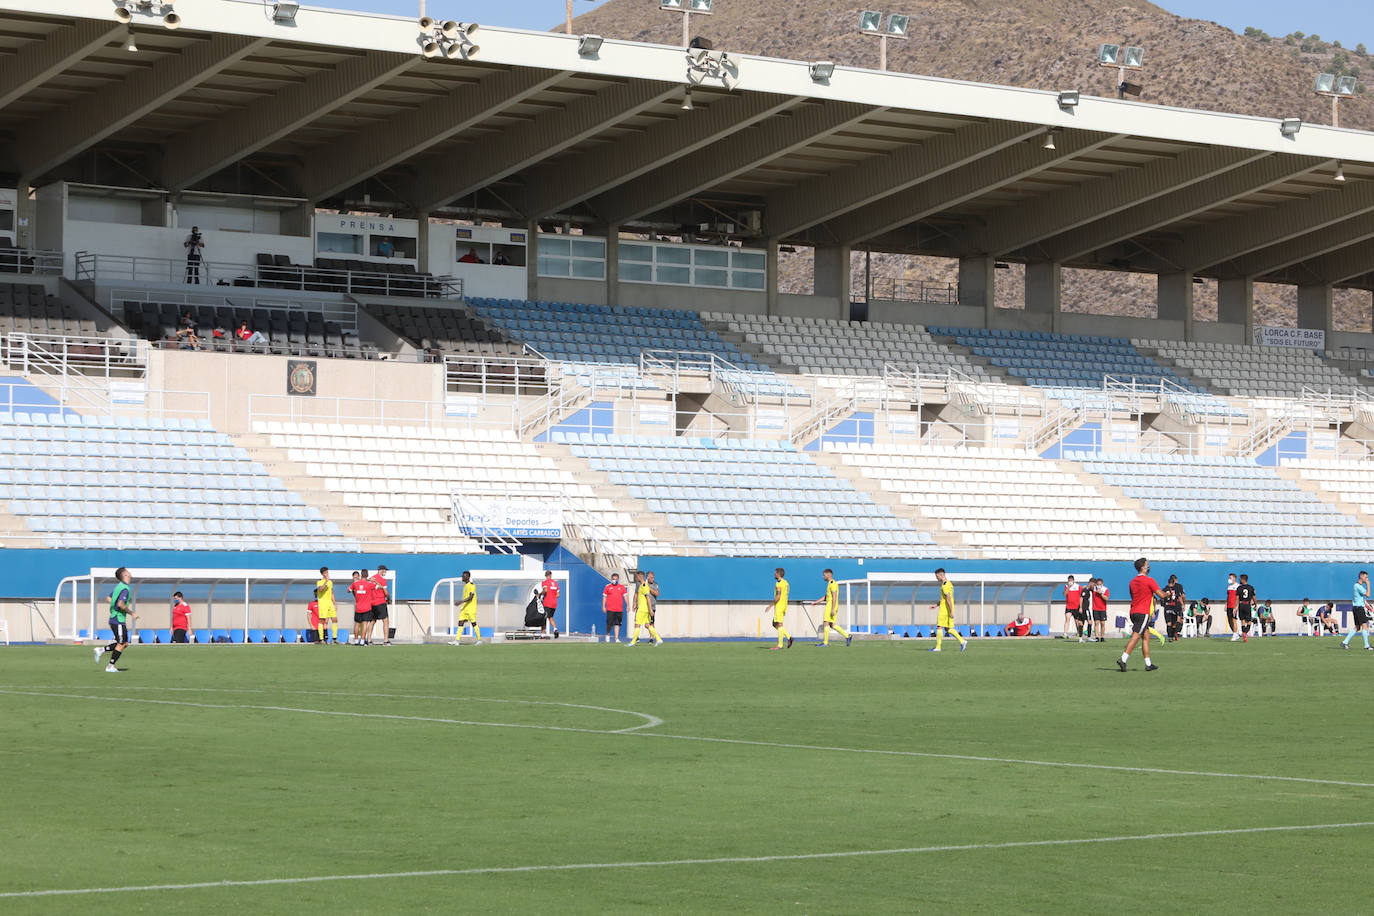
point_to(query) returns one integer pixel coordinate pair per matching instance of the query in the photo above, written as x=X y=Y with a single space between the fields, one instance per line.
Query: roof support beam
x=348 y=161
x=66 y=133
x=828 y=196
x=553 y=189
x=1178 y=204
x=445 y=180
x=1336 y=267
x=39 y=61
x=1314 y=245
x=1216 y=244
x=738 y=153
x=955 y=187
x=198 y=154
x=1022 y=226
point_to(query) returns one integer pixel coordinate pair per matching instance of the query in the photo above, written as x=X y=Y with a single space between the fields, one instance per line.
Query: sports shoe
x=1235 y=637
x=963 y=647
x=1151 y=667
x=774 y=648
x=789 y=642
x=821 y=645
x=111 y=669
x=1245 y=637
x=555 y=634
x=1120 y=664
x=455 y=643
x=99 y=651
x=1343 y=645
x=657 y=644
x=935 y=649
x=848 y=640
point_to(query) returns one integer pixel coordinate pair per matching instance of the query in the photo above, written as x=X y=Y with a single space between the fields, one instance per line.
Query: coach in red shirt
x=613 y=602
x=381 y=597
x=1144 y=591
x=548 y=596
x=181 y=619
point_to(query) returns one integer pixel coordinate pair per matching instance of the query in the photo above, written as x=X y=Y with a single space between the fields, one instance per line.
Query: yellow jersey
x=947 y=599
x=642 y=598
x=469 y=606
x=832 y=599
x=780 y=602
x=324 y=594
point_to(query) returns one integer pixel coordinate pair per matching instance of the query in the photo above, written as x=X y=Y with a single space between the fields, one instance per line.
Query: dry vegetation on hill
x=1042 y=44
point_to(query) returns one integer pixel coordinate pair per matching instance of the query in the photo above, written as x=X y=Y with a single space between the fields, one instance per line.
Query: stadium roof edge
x=624 y=59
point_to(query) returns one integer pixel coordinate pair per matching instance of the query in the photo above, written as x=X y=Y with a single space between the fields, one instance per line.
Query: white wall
x=161 y=242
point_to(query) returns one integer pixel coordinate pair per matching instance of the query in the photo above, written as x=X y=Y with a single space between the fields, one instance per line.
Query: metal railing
x=740 y=384
x=901 y=289
x=114 y=397
x=375 y=411
x=474 y=525
x=31 y=261
x=106 y=269
x=344 y=314
x=606 y=551
x=484 y=375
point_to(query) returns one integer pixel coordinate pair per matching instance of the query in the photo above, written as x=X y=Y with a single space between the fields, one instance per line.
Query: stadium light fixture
x=821 y=71
x=129 y=44
x=1289 y=127
x=1340 y=171
x=1122 y=58
x=1068 y=99
x=1337 y=88
x=163 y=9
x=871 y=23
x=589 y=45
x=284 y=11
x=1049 y=140
x=687 y=100
x=686 y=8
x=447 y=39
x=708 y=64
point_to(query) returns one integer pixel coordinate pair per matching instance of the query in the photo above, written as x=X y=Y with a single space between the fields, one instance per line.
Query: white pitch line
x=748 y=742
x=671 y=863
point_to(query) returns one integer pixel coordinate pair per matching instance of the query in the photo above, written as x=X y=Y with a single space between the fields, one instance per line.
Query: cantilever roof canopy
x=343 y=109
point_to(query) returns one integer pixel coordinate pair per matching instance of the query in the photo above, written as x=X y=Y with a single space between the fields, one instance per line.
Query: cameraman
x=193 y=245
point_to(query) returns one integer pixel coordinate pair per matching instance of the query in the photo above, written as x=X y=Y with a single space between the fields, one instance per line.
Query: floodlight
x=467 y=28
x=456 y=49
x=696 y=76
x=822 y=70
x=122 y=11
x=870 y=21
x=429 y=47
x=896 y=25
x=1340 y=171
x=1345 y=85
x=1289 y=127
x=1108 y=54
x=700 y=6
x=687 y=101
x=1049 y=139
x=589 y=45
x=1068 y=99
x=1326 y=82
x=285 y=10
x=1134 y=89
x=1133 y=57
x=449 y=28
x=129 y=44
x=675 y=5
x=170 y=18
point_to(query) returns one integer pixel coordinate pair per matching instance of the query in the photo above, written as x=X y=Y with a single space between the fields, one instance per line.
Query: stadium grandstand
x=350 y=289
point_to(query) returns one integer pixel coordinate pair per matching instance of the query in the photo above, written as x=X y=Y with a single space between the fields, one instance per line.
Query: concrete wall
x=232 y=379
x=162 y=242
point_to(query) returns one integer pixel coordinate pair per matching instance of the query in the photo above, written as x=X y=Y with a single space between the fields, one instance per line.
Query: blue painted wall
x=1087 y=437
x=596 y=417
x=1293 y=445
x=857 y=427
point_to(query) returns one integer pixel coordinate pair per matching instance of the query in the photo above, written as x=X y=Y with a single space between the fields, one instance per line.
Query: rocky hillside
x=1042 y=44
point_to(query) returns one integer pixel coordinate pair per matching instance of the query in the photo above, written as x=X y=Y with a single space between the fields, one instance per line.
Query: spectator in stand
x=385 y=249
x=613 y=602
x=252 y=338
x=187 y=332
x=500 y=259
x=194 y=245
x=181 y=619
x=1327 y=616
x=471 y=258
x=548 y=598
x=1021 y=626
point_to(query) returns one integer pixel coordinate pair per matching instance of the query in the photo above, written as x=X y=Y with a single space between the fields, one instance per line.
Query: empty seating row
x=346 y=275
x=284 y=331
x=1256 y=371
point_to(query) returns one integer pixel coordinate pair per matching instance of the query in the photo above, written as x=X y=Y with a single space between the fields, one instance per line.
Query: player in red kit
x=1073 y=593
x=548 y=597
x=381 y=599
x=1099 y=625
x=1144 y=591
x=613 y=602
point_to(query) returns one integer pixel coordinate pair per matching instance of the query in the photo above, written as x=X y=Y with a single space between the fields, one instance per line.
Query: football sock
x=334 y=632
x=1125 y=657
x=634 y=638
x=783 y=635
x=844 y=634
x=114 y=656
x=654 y=633
x=319 y=631
x=955 y=634
x=939 y=636
x=110 y=647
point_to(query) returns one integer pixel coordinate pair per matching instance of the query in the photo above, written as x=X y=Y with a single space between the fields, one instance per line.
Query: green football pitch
x=698 y=777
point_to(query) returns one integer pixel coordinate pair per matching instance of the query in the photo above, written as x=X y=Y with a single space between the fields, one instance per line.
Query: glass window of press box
x=392 y=246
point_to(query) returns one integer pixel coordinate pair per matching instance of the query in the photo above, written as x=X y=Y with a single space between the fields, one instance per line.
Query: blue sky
x=1349 y=21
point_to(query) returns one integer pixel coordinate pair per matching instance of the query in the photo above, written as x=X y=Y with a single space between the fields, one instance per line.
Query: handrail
x=38 y=261
x=902 y=289
x=596 y=534
x=472 y=524
x=102 y=269
x=344 y=314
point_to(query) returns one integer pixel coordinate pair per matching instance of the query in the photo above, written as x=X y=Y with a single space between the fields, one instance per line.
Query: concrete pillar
x=1236 y=304
x=532 y=261
x=422 y=243
x=1314 y=307
x=1043 y=289
x=770 y=255
x=978 y=284
x=612 y=265
x=1174 y=300
x=833 y=276
x=25 y=218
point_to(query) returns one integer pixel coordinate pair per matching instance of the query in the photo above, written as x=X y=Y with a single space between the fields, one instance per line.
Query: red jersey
x=180 y=618
x=1143 y=590
x=1231 y=596
x=314 y=609
x=362 y=594
x=1021 y=628
x=550 y=587
x=613 y=597
x=1100 y=596
x=243 y=333
x=1072 y=594
x=379 y=590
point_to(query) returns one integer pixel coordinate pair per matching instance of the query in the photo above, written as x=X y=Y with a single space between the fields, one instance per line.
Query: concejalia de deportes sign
x=518 y=519
x=1297 y=338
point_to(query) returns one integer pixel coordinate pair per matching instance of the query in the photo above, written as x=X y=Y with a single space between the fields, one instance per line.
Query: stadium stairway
x=311 y=489
x=1089 y=481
